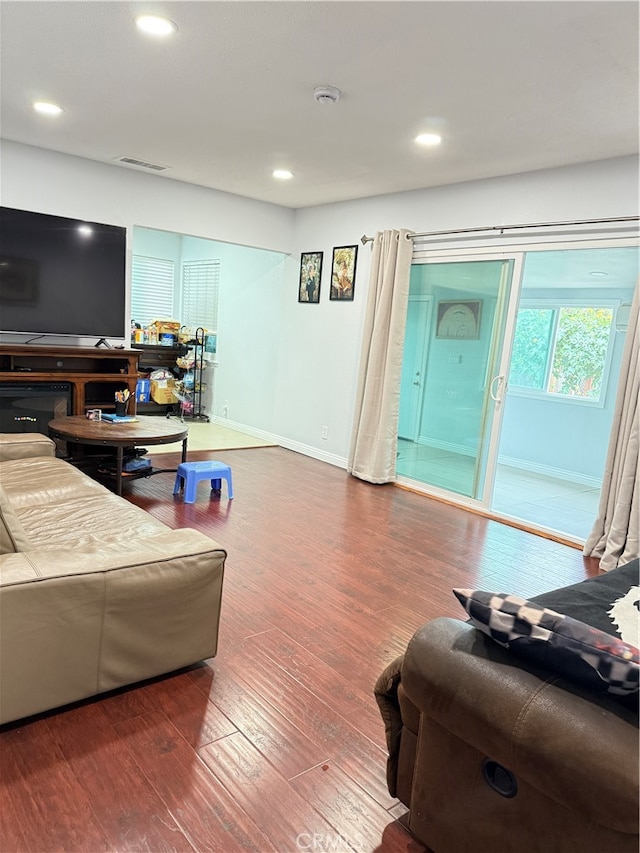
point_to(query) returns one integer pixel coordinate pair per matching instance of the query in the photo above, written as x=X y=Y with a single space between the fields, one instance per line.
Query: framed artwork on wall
x=459 y=320
x=310 y=276
x=343 y=272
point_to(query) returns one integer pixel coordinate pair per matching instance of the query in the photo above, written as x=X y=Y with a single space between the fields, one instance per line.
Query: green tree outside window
x=561 y=350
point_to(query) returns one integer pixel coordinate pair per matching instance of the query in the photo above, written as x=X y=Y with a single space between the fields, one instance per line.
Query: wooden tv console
x=94 y=373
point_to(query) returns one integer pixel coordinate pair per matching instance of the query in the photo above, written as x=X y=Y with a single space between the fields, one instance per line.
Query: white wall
x=48 y=182
x=327 y=336
x=249 y=318
x=308 y=355
x=242 y=376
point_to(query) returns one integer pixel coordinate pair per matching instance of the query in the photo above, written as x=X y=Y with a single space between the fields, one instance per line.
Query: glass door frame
x=516 y=252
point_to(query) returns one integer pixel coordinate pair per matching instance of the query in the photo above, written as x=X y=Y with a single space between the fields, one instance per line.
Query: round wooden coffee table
x=144 y=431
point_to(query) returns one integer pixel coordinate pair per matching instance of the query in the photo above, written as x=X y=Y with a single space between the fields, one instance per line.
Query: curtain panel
x=614 y=538
x=372 y=455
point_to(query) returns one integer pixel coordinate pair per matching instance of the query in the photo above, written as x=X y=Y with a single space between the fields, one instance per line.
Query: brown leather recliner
x=492 y=754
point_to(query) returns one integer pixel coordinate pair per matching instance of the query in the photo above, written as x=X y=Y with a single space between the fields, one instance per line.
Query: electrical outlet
x=225 y=410
x=325 y=432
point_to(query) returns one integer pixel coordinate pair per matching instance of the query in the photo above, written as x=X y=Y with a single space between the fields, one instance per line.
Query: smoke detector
x=326 y=94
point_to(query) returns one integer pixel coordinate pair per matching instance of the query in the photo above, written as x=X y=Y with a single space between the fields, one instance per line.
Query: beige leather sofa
x=94 y=592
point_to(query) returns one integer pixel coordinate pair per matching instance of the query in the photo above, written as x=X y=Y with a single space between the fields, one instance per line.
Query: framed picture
x=459 y=320
x=310 y=275
x=343 y=272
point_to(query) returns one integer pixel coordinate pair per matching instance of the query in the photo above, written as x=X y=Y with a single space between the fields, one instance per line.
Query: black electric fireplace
x=28 y=407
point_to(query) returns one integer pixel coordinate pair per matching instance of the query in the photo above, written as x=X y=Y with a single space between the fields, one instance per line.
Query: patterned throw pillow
x=559 y=643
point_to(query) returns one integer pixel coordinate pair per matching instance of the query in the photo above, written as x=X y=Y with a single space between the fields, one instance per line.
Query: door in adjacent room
x=453 y=352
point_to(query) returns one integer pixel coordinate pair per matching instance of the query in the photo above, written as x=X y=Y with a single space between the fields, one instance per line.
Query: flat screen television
x=61 y=276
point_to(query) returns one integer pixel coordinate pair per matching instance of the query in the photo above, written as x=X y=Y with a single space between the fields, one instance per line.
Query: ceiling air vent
x=141 y=164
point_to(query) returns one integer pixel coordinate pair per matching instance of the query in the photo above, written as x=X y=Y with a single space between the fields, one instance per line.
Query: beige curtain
x=374 y=439
x=614 y=538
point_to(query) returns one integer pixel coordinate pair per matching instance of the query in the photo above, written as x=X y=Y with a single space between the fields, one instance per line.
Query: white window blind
x=200 y=287
x=152 y=282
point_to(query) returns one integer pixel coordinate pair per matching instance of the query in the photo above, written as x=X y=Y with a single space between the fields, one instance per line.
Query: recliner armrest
x=580 y=748
x=22 y=445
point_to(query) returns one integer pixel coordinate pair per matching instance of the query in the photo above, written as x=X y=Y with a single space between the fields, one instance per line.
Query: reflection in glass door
x=564 y=369
x=451 y=382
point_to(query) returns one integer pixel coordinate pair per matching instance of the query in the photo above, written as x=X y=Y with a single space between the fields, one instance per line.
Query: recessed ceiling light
x=155 y=25
x=282 y=174
x=47 y=108
x=429 y=139
x=598 y=274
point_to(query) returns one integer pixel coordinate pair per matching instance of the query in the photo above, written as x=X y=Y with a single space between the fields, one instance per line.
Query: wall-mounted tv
x=61 y=276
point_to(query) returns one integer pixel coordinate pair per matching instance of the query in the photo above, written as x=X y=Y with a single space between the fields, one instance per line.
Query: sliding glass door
x=510 y=371
x=562 y=381
x=451 y=384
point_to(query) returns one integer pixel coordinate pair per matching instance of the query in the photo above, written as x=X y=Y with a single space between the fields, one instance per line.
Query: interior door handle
x=497 y=393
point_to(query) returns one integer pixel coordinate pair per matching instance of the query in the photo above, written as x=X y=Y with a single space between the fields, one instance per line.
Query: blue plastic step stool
x=190 y=474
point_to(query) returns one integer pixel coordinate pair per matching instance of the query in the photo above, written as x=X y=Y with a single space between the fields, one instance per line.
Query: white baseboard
x=287 y=443
x=314 y=452
x=446 y=445
x=550 y=471
x=521 y=464
x=256 y=433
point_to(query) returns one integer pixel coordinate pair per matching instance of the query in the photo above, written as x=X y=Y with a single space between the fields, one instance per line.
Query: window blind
x=152 y=284
x=200 y=288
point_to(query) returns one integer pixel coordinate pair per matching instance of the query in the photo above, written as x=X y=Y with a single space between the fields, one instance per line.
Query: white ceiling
x=513 y=86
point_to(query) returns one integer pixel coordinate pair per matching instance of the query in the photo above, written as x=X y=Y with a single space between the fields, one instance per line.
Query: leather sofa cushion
x=24 y=444
x=12 y=535
x=59 y=507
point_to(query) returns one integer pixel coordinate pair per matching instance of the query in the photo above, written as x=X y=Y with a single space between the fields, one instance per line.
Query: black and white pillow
x=565 y=645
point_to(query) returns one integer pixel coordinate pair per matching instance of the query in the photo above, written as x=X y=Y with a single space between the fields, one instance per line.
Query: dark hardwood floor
x=277 y=743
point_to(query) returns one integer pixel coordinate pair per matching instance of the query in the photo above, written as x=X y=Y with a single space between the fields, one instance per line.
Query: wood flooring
x=277 y=743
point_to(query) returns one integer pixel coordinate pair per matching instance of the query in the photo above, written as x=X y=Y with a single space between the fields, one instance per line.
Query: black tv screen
x=61 y=276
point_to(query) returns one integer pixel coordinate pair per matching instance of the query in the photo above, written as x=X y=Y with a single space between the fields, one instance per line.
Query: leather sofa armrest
x=386 y=694
x=22 y=445
x=580 y=748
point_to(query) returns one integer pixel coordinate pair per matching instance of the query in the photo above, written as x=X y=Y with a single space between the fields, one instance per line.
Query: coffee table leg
x=119 y=455
x=184 y=449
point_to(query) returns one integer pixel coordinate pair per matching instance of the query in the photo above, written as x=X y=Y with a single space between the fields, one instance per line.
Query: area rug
x=204 y=436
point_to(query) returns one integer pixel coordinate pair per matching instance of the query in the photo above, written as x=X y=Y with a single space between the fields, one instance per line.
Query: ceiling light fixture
x=599 y=274
x=47 y=108
x=282 y=174
x=155 y=25
x=429 y=139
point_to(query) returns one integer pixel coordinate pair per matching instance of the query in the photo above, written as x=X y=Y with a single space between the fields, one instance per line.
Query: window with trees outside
x=562 y=351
